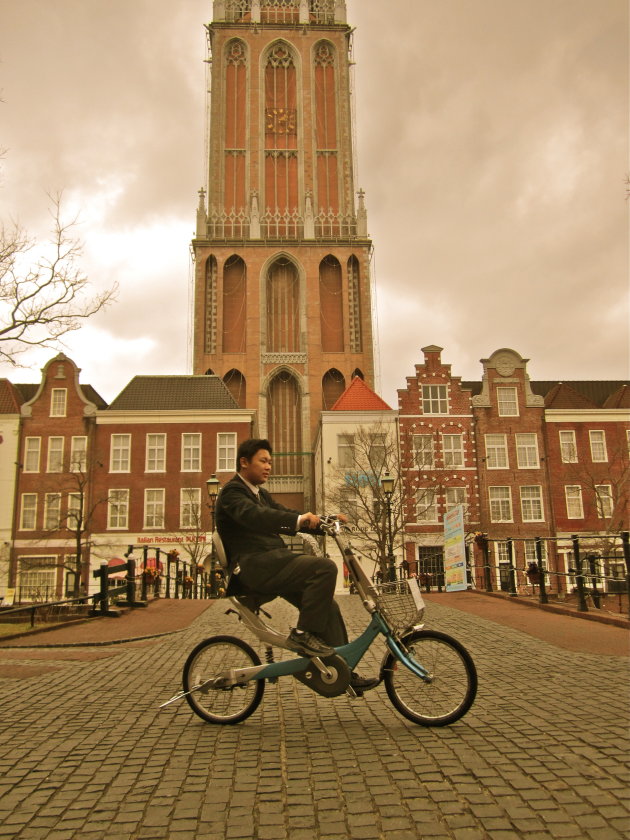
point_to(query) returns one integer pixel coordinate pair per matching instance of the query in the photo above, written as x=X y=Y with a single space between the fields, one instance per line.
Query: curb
x=559 y=610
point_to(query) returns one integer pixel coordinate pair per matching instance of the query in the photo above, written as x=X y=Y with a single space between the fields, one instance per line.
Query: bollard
x=541 y=586
x=104 y=588
x=579 y=578
x=510 y=548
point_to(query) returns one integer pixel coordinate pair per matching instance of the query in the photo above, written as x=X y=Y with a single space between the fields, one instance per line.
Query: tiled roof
x=10 y=398
x=359 y=397
x=596 y=393
x=619 y=399
x=562 y=395
x=168 y=393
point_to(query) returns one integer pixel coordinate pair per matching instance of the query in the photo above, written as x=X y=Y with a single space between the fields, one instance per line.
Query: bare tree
x=44 y=299
x=355 y=487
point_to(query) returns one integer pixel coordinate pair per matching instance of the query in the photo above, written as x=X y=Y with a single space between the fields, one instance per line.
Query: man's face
x=257 y=470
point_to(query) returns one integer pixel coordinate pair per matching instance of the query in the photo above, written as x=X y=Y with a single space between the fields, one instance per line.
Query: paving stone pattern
x=85 y=752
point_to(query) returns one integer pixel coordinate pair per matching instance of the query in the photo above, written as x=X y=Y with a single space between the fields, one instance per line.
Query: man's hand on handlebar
x=309 y=521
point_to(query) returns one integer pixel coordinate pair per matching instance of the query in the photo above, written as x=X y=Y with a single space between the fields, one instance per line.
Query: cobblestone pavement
x=85 y=752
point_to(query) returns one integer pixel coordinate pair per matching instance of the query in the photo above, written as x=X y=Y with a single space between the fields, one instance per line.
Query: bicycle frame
x=352 y=652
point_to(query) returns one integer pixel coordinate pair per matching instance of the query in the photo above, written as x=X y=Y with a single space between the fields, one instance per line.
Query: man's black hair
x=248 y=448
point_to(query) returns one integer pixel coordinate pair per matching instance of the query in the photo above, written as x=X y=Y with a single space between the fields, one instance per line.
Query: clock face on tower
x=504 y=363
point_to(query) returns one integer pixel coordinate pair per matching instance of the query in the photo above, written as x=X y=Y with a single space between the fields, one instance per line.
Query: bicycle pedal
x=352 y=694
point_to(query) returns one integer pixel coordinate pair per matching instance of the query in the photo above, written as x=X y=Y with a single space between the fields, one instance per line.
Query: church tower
x=282 y=308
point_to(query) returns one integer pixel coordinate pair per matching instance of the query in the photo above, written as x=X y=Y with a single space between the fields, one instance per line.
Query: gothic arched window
x=281 y=132
x=234 y=305
x=236 y=385
x=333 y=386
x=331 y=305
x=235 y=125
x=284 y=418
x=327 y=199
x=283 y=307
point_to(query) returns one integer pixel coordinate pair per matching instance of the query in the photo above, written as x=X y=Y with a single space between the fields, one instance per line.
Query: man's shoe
x=360 y=684
x=308 y=644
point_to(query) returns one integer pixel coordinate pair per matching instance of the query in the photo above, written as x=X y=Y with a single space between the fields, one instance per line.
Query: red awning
x=111 y=564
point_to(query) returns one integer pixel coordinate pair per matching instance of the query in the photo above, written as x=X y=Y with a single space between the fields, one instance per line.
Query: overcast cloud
x=492 y=142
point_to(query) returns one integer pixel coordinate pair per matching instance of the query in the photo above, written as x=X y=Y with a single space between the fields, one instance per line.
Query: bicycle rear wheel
x=453 y=685
x=230 y=704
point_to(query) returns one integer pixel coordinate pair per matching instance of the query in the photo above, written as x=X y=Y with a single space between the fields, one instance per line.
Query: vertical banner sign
x=454 y=550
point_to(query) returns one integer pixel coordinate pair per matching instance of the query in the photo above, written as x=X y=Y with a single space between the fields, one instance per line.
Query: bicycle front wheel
x=453 y=679
x=227 y=704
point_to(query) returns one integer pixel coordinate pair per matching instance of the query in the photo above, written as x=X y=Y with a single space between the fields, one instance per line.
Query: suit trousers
x=304 y=580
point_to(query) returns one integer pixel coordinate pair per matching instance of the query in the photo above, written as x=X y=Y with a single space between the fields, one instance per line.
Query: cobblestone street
x=86 y=753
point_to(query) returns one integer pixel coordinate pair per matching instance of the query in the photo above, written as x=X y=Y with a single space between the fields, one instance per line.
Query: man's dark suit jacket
x=249 y=527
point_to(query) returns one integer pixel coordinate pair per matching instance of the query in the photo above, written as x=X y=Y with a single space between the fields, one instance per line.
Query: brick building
x=282 y=254
x=527 y=459
x=94 y=479
x=54 y=487
x=438 y=460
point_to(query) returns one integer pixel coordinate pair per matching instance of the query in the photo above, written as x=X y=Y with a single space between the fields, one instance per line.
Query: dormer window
x=58 y=401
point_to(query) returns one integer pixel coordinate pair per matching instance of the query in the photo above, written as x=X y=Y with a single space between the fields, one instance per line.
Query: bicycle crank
x=333 y=682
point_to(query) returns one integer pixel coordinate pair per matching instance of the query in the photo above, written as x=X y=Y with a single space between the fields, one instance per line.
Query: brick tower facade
x=282 y=308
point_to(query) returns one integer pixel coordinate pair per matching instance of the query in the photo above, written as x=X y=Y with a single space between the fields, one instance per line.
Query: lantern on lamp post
x=387 y=484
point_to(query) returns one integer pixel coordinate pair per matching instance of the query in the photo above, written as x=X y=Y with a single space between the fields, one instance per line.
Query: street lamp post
x=212 y=486
x=387 y=483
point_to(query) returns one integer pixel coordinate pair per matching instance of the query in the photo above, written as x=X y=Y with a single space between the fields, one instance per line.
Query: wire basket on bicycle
x=400 y=602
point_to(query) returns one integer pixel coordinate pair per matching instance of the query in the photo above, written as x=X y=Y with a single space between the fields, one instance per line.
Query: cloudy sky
x=492 y=142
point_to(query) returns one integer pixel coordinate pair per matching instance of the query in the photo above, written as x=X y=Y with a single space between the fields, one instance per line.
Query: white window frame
x=574 y=501
x=377 y=451
x=497 y=457
x=449 y=504
x=568 y=446
x=527 y=457
x=54 y=461
x=598 y=446
x=532 y=508
x=427 y=506
x=501 y=503
x=78 y=453
x=434 y=399
x=154 y=503
x=58 y=402
x=118 y=509
x=530 y=552
x=32 y=453
x=423 y=450
x=191 y=451
x=345 y=450
x=28 y=508
x=604 y=501
x=120 y=453
x=155 y=452
x=226 y=451
x=38 y=579
x=75 y=513
x=453 y=450
x=190 y=508
x=507 y=401
x=52 y=511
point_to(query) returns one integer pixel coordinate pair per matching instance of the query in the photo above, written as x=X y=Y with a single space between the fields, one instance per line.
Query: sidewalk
x=557 y=625
x=560 y=626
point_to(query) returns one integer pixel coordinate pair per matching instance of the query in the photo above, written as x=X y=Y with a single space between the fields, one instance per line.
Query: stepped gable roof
x=562 y=395
x=360 y=397
x=172 y=393
x=10 y=398
x=29 y=389
x=619 y=398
